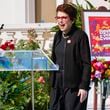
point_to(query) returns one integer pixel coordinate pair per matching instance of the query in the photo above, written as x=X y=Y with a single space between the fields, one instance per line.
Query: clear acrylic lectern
x=26 y=60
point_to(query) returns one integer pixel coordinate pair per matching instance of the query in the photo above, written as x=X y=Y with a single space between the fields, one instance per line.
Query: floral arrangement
x=100 y=75
x=8 y=45
x=30 y=44
x=100 y=69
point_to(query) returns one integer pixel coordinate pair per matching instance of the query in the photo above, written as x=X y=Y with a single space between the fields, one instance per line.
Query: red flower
x=99 y=69
x=8 y=45
x=3 y=47
x=11 y=46
x=41 y=80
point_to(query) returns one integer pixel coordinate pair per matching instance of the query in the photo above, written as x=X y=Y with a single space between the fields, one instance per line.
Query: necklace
x=64 y=36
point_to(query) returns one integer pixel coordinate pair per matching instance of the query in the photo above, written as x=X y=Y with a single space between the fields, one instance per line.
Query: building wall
x=45 y=10
x=12 y=11
x=48 y=10
x=30 y=11
x=37 y=10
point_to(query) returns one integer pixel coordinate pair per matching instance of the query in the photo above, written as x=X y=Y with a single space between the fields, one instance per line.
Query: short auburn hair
x=69 y=9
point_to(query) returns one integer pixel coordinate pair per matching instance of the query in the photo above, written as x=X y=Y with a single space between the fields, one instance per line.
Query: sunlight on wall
x=12 y=11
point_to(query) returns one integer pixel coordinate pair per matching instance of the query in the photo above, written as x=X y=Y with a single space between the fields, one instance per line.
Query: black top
x=77 y=59
x=59 y=53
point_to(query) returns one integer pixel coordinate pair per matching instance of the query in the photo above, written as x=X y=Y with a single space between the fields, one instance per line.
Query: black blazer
x=77 y=65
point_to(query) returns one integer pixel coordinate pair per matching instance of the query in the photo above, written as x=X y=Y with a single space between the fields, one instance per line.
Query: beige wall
x=48 y=10
x=45 y=10
x=37 y=10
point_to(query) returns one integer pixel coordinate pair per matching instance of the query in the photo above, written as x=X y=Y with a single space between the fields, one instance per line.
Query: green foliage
x=42 y=92
x=27 y=45
x=16 y=87
x=80 y=8
x=30 y=44
x=14 y=90
x=54 y=28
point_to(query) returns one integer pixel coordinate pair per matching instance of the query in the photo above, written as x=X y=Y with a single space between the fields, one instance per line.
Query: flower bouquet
x=100 y=75
x=100 y=69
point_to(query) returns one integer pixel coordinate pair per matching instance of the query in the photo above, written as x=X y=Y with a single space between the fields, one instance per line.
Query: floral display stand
x=101 y=78
x=26 y=60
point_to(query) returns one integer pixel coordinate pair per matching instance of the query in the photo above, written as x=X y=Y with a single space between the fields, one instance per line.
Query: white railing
x=19 y=31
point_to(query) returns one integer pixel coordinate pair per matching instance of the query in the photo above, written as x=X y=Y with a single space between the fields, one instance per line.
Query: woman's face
x=64 y=22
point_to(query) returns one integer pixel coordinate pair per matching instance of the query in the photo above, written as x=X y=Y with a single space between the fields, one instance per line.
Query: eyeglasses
x=61 y=17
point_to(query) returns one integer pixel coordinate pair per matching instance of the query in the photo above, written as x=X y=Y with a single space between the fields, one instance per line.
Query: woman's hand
x=82 y=94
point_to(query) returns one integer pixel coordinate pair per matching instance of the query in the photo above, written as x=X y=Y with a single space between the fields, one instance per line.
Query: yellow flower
x=92 y=69
x=107 y=73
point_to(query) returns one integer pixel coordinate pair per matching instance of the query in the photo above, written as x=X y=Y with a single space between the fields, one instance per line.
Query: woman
x=71 y=52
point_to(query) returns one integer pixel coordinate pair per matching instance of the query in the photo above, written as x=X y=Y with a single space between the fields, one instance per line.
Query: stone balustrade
x=19 y=31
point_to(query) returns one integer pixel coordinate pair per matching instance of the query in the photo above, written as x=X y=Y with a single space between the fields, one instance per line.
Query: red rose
x=41 y=80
